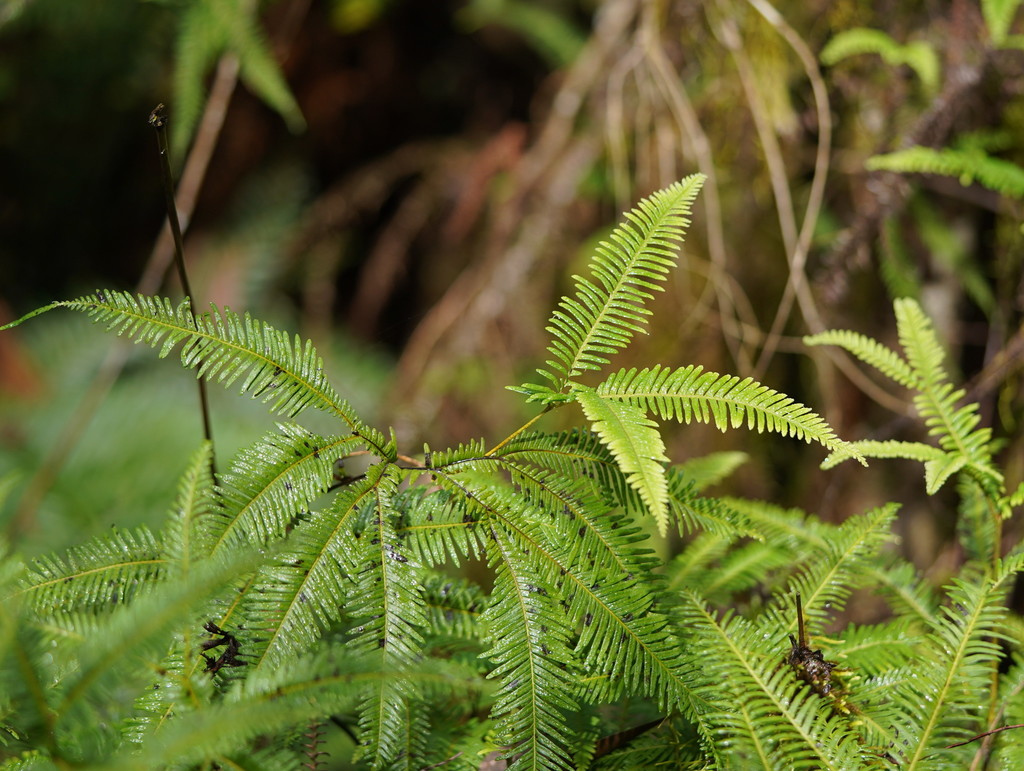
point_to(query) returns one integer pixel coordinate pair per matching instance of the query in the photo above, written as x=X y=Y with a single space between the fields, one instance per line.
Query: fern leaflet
x=605 y=313
x=690 y=393
x=636 y=444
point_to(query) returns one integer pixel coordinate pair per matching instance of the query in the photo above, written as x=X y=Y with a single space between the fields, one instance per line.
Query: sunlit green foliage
x=283 y=592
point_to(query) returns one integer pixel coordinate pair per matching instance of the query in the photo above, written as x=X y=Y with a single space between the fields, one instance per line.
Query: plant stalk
x=158 y=120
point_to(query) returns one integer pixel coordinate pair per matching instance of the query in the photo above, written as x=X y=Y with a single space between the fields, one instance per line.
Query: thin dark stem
x=801 y=629
x=158 y=120
x=985 y=735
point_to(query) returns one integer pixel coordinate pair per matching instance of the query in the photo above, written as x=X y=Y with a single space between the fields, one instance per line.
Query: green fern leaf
x=751 y=696
x=188 y=537
x=999 y=15
x=208 y=29
x=891 y=448
x=882 y=358
x=106 y=664
x=544 y=596
x=605 y=313
x=695 y=512
x=304 y=591
x=691 y=394
x=906 y=592
x=109 y=570
x=275 y=702
x=1003 y=177
x=1017 y=497
x=275 y=480
x=535 y=691
x=224 y=346
x=826 y=583
x=937 y=471
x=919 y=55
x=950 y=687
x=636 y=444
x=576 y=454
x=956 y=428
x=390 y=605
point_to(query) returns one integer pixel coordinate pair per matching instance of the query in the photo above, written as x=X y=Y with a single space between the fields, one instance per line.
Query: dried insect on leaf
x=810 y=666
x=229 y=658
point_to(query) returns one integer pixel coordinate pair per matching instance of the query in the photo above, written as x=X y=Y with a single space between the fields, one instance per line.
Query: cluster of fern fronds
x=285 y=597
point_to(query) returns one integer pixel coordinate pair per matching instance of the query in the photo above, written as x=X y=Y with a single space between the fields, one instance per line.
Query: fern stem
x=158 y=120
x=518 y=431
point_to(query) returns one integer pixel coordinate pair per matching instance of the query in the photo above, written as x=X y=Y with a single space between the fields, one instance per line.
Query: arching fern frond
x=691 y=394
x=109 y=570
x=826 y=583
x=962 y=444
x=224 y=346
x=919 y=55
x=272 y=481
x=605 y=313
x=967 y=165
x=697 y=512
x=106 y=664
x=547 y=589
x=208 y=29
x=390 y=607
x=870 y=351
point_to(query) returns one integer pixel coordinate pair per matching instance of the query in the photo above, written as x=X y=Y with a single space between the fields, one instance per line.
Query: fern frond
x=188 y=535
x=754 y=697
x=996 y=174
x=576 y=454
x=939 y=465
x=208 y=28
x=696 y=512
x=691 y=394
x=530 y=652
x=956 y=428
x=271 y=702
x=606 y=312
x=877 y=648
x=277 y=478
x=745 y=567
x=908 y=594
x=107 y=665
x=951 y=684
x=891 y=448
x=453 y=607
x=999 y=15
x=27 y=674
x=827 y=581
x=588 y=524
x=443 y=525
x=391 y=609
x=706 y=470
x=608 y=609
x=636 y=444
x=964 y=446
x=919 y=55
x=686 y=570
x=109 y=570
x=224 y=346
x=303 y=592
x=870 y=351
